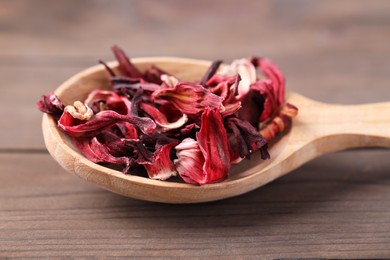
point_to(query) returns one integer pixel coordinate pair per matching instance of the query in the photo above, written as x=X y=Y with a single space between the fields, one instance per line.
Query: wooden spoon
x=318 y=129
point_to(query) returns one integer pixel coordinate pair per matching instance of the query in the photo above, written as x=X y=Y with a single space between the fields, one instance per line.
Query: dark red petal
x=111 y=100
x=252 y=107
x=237 y=144
x=127 y=130
x=124 y=88
x=125 y=64
x=50 y=104
x=213 y=142
x=114 y=144
x=104 y=119
x=98 y=152
x=108 y=69
x=272 y=72
x=270 y=99
x=210 y=72
x=141 y=154
x=250 y=135
x=153 y=75
x=117 y=80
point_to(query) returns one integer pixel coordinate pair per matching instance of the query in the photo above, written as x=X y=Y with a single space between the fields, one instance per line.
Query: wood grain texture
x=335 y=207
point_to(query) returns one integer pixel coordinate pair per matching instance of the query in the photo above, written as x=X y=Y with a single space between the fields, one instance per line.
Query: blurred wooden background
x=337 y=206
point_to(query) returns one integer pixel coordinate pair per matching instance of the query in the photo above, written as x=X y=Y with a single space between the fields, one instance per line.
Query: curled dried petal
x=125 y=64
x=189 y=98
x=247 y=137
x=210 y=72
x=247 y=72
x=153 y=74
x=162 y=167
x=114 y=144
x=273 y=73
x=97 y=152
x=190 y=161
x=161 y=119
x=127 y=130
x=109 y=100
x=168 y=80
x=104 y=119
x=50 y=104
x=280 y=122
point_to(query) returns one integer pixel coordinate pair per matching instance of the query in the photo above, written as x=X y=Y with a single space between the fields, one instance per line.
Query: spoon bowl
x=318 y=129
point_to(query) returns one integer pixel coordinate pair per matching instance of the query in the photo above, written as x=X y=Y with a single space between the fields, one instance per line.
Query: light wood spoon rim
x=319 y=128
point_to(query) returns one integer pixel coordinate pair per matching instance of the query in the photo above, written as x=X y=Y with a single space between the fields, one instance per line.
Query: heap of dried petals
x=169 y=127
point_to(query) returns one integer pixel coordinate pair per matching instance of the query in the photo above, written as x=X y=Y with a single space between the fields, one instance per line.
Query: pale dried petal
x=170 y=81
x=79 y=111
x=190 y=161
x=247 y=72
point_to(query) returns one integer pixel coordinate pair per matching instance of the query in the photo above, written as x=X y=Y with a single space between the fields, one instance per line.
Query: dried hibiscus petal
x=212 y=140
x=114 y=143
x=210 y=72
x=280 y=122
x=247 y=138
x=108 y=100
x=125 y=65
x=273 y=73
x=104 y=119
x=50 y=104
x=151 y=119
x=161 y=119
x=153 y=74
x=247 y=72
x=162 y=167
x=190 y=161
x=189 y=98
x=99 y=153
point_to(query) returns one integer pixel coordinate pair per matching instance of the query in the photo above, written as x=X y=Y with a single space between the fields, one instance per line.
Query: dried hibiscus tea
x=169 y=127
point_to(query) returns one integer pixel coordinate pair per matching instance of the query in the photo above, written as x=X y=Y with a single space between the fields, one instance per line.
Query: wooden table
x=337 y=206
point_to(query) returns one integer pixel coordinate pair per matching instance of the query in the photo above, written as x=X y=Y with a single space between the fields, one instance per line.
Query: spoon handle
x=339 y=127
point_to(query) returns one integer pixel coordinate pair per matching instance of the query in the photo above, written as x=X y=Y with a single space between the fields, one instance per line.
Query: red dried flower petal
x=247 y=72
x=213 y=142
x=162 y=167
x=125 y=65
x=106 y=127
x=127 y=130
x=104 y=119
x=110 y=100
x=252 y=107
x=189 y=98
x=280 y=122
x=153 y=75
x=190 y=161
x=99 y=153
x=210 y=72
x=227 y=88
x=114 y=144
x=161 y=119
x=50 y=104
x=246 y=134
x=272 y=72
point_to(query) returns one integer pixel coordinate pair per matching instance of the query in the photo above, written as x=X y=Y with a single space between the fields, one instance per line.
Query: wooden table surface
x=337 y=206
